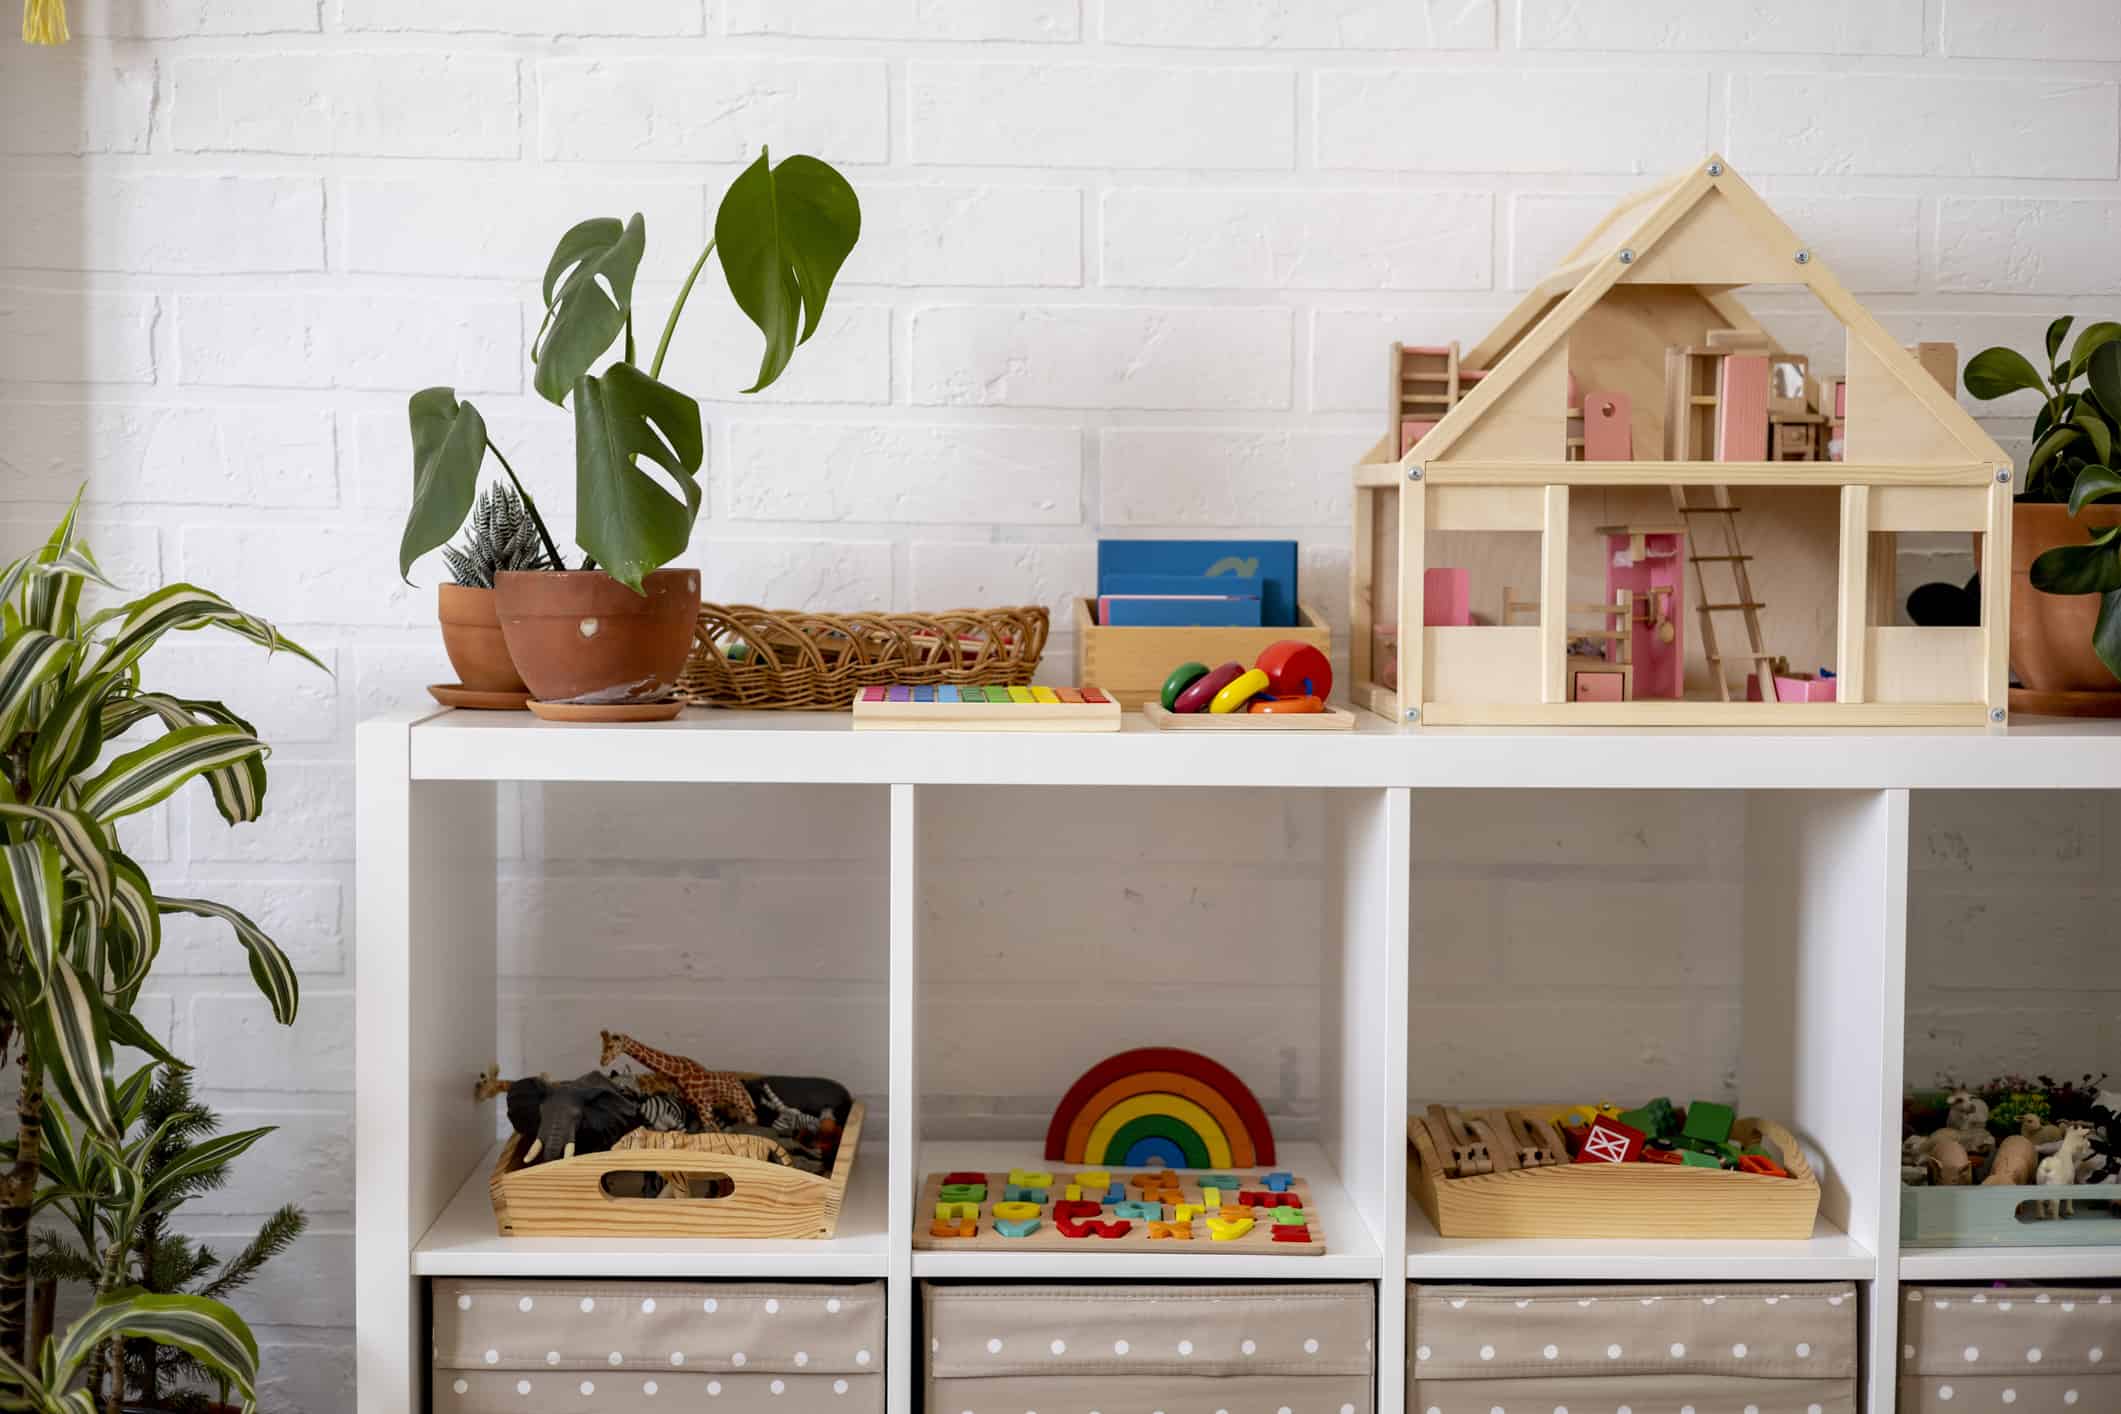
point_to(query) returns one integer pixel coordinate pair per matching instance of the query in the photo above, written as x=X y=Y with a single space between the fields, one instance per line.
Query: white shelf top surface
x=1352 y=1252
x=464 y=1243
x=1829 y=1254
x=822 y=748
x=2010 y=1263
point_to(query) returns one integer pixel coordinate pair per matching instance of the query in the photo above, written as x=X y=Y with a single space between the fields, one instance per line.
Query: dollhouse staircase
x=1757 y=659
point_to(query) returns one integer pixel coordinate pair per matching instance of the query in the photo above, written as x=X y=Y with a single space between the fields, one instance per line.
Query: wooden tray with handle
x=1506 y=1173
x=754 y=1197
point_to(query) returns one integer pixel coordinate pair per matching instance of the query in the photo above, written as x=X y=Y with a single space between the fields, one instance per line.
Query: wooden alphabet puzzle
x=1064 y=1210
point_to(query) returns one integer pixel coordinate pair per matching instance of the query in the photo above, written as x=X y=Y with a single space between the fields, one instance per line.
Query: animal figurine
x=2039 y=1130
x=1913 y=1148
x=586 y=1115
x=2014 y=1163
x=1974 y=1138
x=1947 y=1161
x=1968 y=1111
x=2060 y=1168
x=715 y=1095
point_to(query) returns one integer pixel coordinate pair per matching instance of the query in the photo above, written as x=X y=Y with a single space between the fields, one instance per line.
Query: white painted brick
x=1076 y=357
x=957 y=575
x=376 y=105
x=145 y=836
x=307 y=1160
x=905 y=472
x=53 y=101
x=157 y=1012
x=968 y=235
x=265 y=455
x=1674 y=836
x=1205 y=476
x=2046 y=936
x=288 y=699
x=1662 y=26
x=301 y=915
x=1315 y=240
x=536 y=437
x=311 y=1285
x=76 y=336
x=1102 y=115
x=1587 y=934
x=179 y=19
x=1350 y=348
x=1305 y=24
x=130 y=554
x=715 y=353
x=1050 y=21
x=2067 y=1036
x=299 y=574
x=392 y=343
x=2028 y=246
x=162 y=222
x=710 y=110
x=1535 y=120
x=842 y=1035
x=390 y=676
x=1218 y=833
x=313 y=1377
x=1921 y=126
x=705 y=827
x=235 y=1039
x=830 y=576
x=1322 y=569
x=2072 y=30
x=1503 y=1052
x=2015 y=837
x=420 y=225
x=1455 y=942
x=1870 y=241
x=537 y=18
x=308 y=818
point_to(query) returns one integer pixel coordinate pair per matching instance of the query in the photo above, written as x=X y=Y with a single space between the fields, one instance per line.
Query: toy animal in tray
x=1993 y=1164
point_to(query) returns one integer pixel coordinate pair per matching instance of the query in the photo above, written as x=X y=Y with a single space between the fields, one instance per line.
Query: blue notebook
x=1163 y=611
x=1272 y=562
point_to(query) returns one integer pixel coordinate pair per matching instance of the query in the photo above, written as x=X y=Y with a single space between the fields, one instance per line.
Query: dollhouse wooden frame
x=1655 y=277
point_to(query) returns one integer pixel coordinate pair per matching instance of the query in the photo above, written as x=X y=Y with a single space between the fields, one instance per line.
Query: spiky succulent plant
x=500 y=535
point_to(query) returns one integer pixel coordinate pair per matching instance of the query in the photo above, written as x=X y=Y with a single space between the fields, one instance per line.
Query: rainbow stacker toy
x=985 y=709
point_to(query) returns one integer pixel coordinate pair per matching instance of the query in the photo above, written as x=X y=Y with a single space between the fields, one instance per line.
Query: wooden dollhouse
x=1726 y=518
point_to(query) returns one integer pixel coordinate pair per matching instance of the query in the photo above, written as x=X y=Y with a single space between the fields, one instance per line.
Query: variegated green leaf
x=179 y=608
x=134 y=916
x=269 y=967
x=88 y=947
x=152 y=773
x=28 y=658
x=33 y=890
x=69 y=736
x=132 y=1093
x=75 y=563
x=127 y=1030
x=200 y=1158
x=77 y=1050
x=239 y=790
x=12 y=578
x=81 y=843
x=61 y=1158
x=206 y=1330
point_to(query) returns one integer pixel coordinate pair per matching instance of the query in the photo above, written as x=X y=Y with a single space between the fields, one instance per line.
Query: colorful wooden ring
x=1237 y=692
x=1182 y=677
x=1202 y=691
x=1016 y=1212
x=1287 y=706
x=1296 y=669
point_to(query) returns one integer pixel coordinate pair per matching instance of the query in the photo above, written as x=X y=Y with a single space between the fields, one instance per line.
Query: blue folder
x=1218 y=562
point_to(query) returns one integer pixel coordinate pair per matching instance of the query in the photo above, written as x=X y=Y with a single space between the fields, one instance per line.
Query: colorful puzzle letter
x=1015 y=1212
x=1133 y=1209
x=1016 y=1227
x=1226 y=1230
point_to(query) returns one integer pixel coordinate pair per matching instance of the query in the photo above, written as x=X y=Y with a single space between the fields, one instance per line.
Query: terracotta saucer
x=450 y=694
x=607 y=711
x=2065 y=704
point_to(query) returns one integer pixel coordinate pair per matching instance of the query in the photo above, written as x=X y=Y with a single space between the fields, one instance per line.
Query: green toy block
x=1694 y=1158
x=1705 y=1119
x=1656 y=1119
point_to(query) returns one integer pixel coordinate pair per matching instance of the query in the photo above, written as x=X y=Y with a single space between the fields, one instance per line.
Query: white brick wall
x=1128 y=266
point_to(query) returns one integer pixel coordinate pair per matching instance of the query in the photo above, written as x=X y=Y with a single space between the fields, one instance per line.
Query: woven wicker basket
x=765 y=659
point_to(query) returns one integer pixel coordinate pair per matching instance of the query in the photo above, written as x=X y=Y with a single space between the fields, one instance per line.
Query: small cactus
x=500 y=535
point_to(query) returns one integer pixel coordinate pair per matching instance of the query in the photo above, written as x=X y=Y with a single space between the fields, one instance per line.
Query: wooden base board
x=1333 y=719
x=1259 y=1241
x=2065 y=704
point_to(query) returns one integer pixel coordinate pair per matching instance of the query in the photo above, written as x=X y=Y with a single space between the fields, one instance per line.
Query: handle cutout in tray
x=647 y=1185
x=2105 y=1207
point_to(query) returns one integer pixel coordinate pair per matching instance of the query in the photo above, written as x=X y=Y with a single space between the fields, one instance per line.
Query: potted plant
x=618 y=629
x=500 y=537
x=2065 y=588
x=80 y=926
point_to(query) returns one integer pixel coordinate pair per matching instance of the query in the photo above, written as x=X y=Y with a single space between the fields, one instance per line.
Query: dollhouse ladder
x=1758 y=659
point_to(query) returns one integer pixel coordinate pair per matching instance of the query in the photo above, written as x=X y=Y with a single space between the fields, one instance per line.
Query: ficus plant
x=782 y=231
x=2072 y=461
x=80 y=927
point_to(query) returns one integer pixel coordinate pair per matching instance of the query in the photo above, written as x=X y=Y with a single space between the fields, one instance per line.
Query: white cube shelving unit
x=1822 y=929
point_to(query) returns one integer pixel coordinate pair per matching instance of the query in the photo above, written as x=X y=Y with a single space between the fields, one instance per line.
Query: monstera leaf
x=588 y=293
x=624 y=517
x=783 y=233
x=448 y=444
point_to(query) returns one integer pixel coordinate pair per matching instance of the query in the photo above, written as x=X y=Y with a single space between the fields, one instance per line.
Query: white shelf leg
x=424 y=1025
x=903 y=1360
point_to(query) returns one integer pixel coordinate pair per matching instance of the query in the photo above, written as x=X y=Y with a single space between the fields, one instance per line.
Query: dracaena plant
x=2072 y=461
x=783 y=231
x=80 y=926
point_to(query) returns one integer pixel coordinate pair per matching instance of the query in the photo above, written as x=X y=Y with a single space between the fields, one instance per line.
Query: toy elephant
x=585 y=1115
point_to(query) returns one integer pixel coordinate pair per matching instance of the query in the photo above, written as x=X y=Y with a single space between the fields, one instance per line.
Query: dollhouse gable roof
x=1705 y=228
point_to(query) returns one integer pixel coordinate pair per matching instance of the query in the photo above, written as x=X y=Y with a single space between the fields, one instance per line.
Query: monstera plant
x=782 y=231
x=84 y=743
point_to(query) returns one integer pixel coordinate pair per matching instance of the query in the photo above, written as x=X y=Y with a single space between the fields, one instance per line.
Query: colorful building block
x=1705 y=1119
x=1610 y=1142
x=1657 y=1119
x=1289 y=1217
x=1291 y=1232
x=1278 y=1182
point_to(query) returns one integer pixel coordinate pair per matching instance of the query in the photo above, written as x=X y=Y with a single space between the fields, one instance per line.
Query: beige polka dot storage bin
x=1738 y=1349
x=532 y=1347
x=2024 y=1350
x=1205 y=1348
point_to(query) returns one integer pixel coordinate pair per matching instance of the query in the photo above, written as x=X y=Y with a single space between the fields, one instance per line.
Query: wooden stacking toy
x=1285 y=689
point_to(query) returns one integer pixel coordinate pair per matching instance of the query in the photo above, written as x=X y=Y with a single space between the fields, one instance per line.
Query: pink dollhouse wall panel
x=1446 y=598
x=1656 y=589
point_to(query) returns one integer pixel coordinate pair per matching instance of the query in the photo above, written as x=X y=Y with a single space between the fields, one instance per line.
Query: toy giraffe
x=708 y=1091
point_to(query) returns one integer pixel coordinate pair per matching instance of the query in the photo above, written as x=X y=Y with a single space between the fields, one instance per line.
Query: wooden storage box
x=1618 y=1200
x=1132 y=663
x=2036 y=1349
x=2005 y=1216
x=567 y=1197
x=1768 y=1347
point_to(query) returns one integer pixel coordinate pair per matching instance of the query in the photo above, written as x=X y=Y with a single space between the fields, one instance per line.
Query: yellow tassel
x=44 y=22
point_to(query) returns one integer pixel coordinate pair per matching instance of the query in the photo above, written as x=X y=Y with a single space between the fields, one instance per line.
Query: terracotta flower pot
x=471 y=635
x=2051 y=634
x=581 y=636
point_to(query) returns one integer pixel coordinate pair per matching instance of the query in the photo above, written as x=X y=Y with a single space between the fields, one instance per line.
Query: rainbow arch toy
x=1163 y=1104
